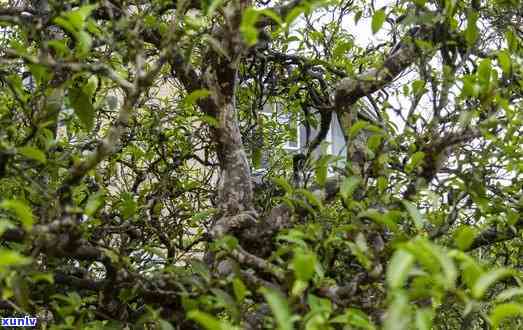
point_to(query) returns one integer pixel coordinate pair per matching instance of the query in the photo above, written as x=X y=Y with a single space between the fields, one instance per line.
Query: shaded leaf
x=83 y=108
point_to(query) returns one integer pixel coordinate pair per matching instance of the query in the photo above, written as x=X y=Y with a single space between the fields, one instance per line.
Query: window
x=284 y=119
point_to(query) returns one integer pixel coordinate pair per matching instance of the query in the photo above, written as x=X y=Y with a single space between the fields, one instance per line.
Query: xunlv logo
x=19 y=321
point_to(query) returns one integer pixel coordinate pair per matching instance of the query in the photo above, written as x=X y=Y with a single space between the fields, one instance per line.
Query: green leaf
x=399 y=268
x=33 y=153
x=225 y=300
x=5 y=225
x=211 y=6
x=417 y=218
x=504 y=61
x=464 y=237
x=22 y=211
x=42 y=277
x=487 y=279
x=484 y=70
x=435 y=259
x=257 y=158
x=471 y=32
x=248 y=26
x=194 y=96
x=424 y=317
x=471 y=270
x=304 y=264
x=12 y=258
x=165 y=325
x=128 y=205
x=377 y=20
x=273 y=15
x=415 y=160
x=78 y=16
x=84 y=43
x=283 y=183
x=503 y=311
x=398 y=313
x=418 y=87
x=240 y=290
x=509 y=294
x=201 y=269
x=356 y=127
x=293 y=14
x=208 y=321
x=94 y=203
x=318 y=304
x=279 y=307
x=83 y=108
x=311 y=198
x=374 y=142
x=40 y=72
x=356 y=318
x=349 y=185
x=357 y=16
x=360 y=250
x=386 y=220
x=321 y=169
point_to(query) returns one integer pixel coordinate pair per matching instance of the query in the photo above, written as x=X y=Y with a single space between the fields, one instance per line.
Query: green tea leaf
x=399 y=268
x=488 y=279
x=22 y=211
x=279 y=307
x=349 y=185
x=240 y=290
x=471 y=32
x=304 y=264
x=377 y=20
x=464 y=237
x=415 y=160
x=503 y=311
x=504 y=61
x=248 y=26
x=509 y=294
x=424 y=317
x=33 y=153
x=94 y=203
x=12 y=258
x=83 y=108
x=418 y=219
x=208 y=321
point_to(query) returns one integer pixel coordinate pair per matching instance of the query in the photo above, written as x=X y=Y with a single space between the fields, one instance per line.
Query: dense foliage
x=131 y=141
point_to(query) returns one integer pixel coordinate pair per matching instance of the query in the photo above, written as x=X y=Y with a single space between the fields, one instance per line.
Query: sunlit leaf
x=33 y=153
x=280 y=309
x=503 y=311
x=488 y=279
x=12 y=258
x=418 y=219
x=377 y=20
x=22 y=211
x=303 y=263
x=398 y=268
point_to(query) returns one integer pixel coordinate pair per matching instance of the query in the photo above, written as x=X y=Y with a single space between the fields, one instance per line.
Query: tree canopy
x=142 y=188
